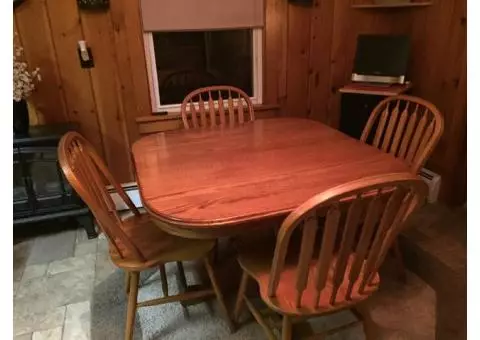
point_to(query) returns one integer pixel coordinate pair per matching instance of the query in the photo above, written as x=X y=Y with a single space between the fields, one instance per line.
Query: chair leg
x=397 y=254
x=241 y=292
x=181 y=273
x=286 y=328
x=163 y=277
x=369 y=326
x=183 y=286
x=127 y=282
x=132 y=305
x=215 y=252
x=218 y=293
x=257 y=315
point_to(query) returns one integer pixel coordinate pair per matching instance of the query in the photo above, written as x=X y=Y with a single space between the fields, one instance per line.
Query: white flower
x=23 y=79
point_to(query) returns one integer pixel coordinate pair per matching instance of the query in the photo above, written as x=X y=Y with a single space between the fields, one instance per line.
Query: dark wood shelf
x=376 y=90
x=399 y=5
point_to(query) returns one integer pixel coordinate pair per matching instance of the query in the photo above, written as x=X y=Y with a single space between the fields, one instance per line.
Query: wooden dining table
x=222 y=181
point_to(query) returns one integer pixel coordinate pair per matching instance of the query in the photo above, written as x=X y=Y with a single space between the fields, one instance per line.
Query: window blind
x=193 y=15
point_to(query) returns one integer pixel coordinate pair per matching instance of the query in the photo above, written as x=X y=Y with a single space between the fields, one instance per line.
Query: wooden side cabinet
x=358 y=101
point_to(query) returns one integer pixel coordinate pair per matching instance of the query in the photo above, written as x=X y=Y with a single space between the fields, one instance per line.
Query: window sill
x=177 y=115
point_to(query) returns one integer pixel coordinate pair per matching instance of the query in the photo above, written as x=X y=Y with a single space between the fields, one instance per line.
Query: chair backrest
x=362 y=219
x=89 y=176
x=202 y=105
x=406 y=127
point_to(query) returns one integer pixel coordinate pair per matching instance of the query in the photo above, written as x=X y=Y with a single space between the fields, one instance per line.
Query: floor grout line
x=64 y=321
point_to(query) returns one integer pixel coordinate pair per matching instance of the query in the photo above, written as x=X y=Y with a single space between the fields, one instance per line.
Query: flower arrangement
x=23 y=79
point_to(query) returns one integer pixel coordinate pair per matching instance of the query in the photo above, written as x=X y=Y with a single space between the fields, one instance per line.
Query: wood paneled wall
x=309 y=53
x=104 y=100
x=321 y=48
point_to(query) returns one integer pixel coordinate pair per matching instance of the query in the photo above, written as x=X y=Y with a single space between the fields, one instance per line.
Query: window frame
x=257 y=73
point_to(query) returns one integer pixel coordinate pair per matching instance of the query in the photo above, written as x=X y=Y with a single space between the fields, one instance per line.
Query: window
x=180 y=62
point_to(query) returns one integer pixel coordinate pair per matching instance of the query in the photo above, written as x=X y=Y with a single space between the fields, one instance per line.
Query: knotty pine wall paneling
x=130 y=53
x=438 y=71
x=308 y=56
x=298 y=55
x=105 y=100
x=98 y=32
x=33 y=24
x=66 y=31
x=348 y=23
x=320 y=62
x=275 y=52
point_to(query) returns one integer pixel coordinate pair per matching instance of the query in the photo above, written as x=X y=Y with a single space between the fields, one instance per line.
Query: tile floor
x=55 y=276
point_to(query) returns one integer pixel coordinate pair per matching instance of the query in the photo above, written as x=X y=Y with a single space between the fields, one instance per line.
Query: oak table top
x=209 y=182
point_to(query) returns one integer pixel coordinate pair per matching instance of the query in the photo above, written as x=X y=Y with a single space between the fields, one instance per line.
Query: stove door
x=39 y=185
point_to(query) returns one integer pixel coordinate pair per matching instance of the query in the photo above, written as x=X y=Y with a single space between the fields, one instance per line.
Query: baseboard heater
x=131 y=189
x=433 y=181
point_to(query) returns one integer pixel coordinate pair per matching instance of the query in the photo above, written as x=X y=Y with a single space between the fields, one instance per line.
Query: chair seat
x=155 y=245
x=257 y=263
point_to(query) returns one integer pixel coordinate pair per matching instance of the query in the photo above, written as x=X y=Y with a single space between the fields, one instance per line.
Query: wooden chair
x=339 y=269
x=408 y=128
x=237 y=108
x=135 y=243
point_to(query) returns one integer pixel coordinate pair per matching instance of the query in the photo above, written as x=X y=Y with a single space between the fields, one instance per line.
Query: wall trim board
x=153 y=124
x=178 y=115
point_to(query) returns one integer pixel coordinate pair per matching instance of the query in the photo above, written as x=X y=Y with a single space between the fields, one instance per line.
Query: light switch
x=85 y=55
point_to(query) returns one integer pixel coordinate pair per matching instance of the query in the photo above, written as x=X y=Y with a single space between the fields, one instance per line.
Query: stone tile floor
x=54 y=277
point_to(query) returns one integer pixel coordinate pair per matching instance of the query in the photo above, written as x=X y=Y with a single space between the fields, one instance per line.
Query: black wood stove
x=40 y=190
